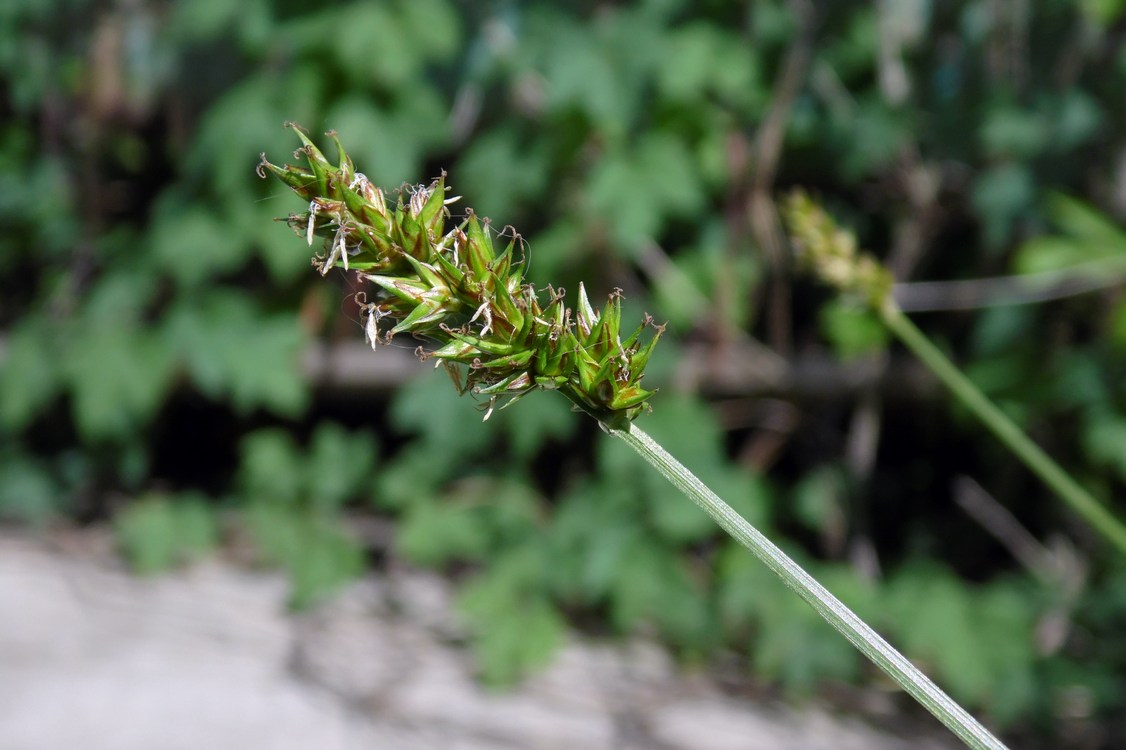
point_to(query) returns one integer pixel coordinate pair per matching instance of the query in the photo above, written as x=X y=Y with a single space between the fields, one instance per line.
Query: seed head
x=831 y=252
x=464 y=288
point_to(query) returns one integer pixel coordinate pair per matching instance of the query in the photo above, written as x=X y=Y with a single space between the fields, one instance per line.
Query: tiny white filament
x=487 y=314
x=371 y=326
x=312 y=222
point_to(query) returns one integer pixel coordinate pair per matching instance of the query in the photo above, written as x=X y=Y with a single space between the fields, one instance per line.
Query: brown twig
x=767 y=151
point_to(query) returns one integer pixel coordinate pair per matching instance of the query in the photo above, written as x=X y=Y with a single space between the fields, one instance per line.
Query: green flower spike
x=831 y=253
x=458 y=288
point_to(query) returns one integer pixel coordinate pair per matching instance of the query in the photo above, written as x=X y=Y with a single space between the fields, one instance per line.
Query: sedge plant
x=831 y=253
x=500 y=338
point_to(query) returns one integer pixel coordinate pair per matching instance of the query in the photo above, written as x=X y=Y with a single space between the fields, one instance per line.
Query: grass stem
x=882 y=654
x=1081 y=501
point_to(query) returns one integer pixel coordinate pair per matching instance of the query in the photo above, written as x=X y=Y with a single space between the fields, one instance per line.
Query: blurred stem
x=882 y=654
x=1041 y=464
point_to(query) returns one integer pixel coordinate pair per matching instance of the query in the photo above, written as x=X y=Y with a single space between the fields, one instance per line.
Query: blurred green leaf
x=326 y=559
x=32 y=371
x=971 y=638
x=257 y=222
x=854 y=51
x=271 y=469
x=1047 y=254
x=474 y=518
x=1076 y=118
x=28 y=491
x=788 y=641
x=1117 y=327
x=318 y=556
x=513 y=508
x=432 y=533
x=1077 y=382
x=799 y=648
x=644 y=583
x=701 y=58
x=1000 y=195
x=339 y=463
x=118 y=378
x=413 y=476
x=406 y=35
x=634 y=192
x=160 y=531
x=430 y=406
x=433 y=25
x=1104 y=440
x=618 y=195
x=1103 y=12
x=232 y=349
x=594 y=526
x=207 y=19
x=743 y=587
x=536 y=421
x=364 y=27
x=653 y=586
x=1084 y=222
x=819 y=497
x=686 y=68
x=871 y=137
x=852 y=329
x=772 y=23
x=687 y=429
x=499 y=175
x=192 y=244
x=1088 y=236
x=581 y=74
x=51 y=217
x=1012 y=132
x=514 y=628
x=1001 y=329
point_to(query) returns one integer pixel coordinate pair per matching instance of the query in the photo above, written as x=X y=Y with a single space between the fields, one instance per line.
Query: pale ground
x=94 y=658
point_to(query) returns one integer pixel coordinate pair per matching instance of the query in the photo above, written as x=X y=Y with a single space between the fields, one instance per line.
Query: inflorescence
x=452 y=286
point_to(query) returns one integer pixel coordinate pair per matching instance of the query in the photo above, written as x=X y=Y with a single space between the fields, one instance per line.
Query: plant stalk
x=1041 y=464
x=882 y=654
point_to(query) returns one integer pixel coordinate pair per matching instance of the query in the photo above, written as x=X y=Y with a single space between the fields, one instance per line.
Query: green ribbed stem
x=1081 y=501
x=968 y=729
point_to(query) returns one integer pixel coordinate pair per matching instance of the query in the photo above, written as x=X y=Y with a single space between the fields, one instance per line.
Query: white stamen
x=419 y=197
x=312 y=222
x=484 y=311
x=329 y=261
x=371 y=325
x=339 y=244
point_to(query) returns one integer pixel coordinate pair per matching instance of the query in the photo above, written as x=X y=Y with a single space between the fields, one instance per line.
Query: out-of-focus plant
x=831 y=253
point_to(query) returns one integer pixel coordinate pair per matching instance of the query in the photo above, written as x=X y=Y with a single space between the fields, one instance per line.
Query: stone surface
x=92 y=657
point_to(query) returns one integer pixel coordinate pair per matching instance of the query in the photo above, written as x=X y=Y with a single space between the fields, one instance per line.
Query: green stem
x=968 y=729
x=1081 y=501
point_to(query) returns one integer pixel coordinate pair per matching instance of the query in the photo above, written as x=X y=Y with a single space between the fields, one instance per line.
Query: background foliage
x=154 y=370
